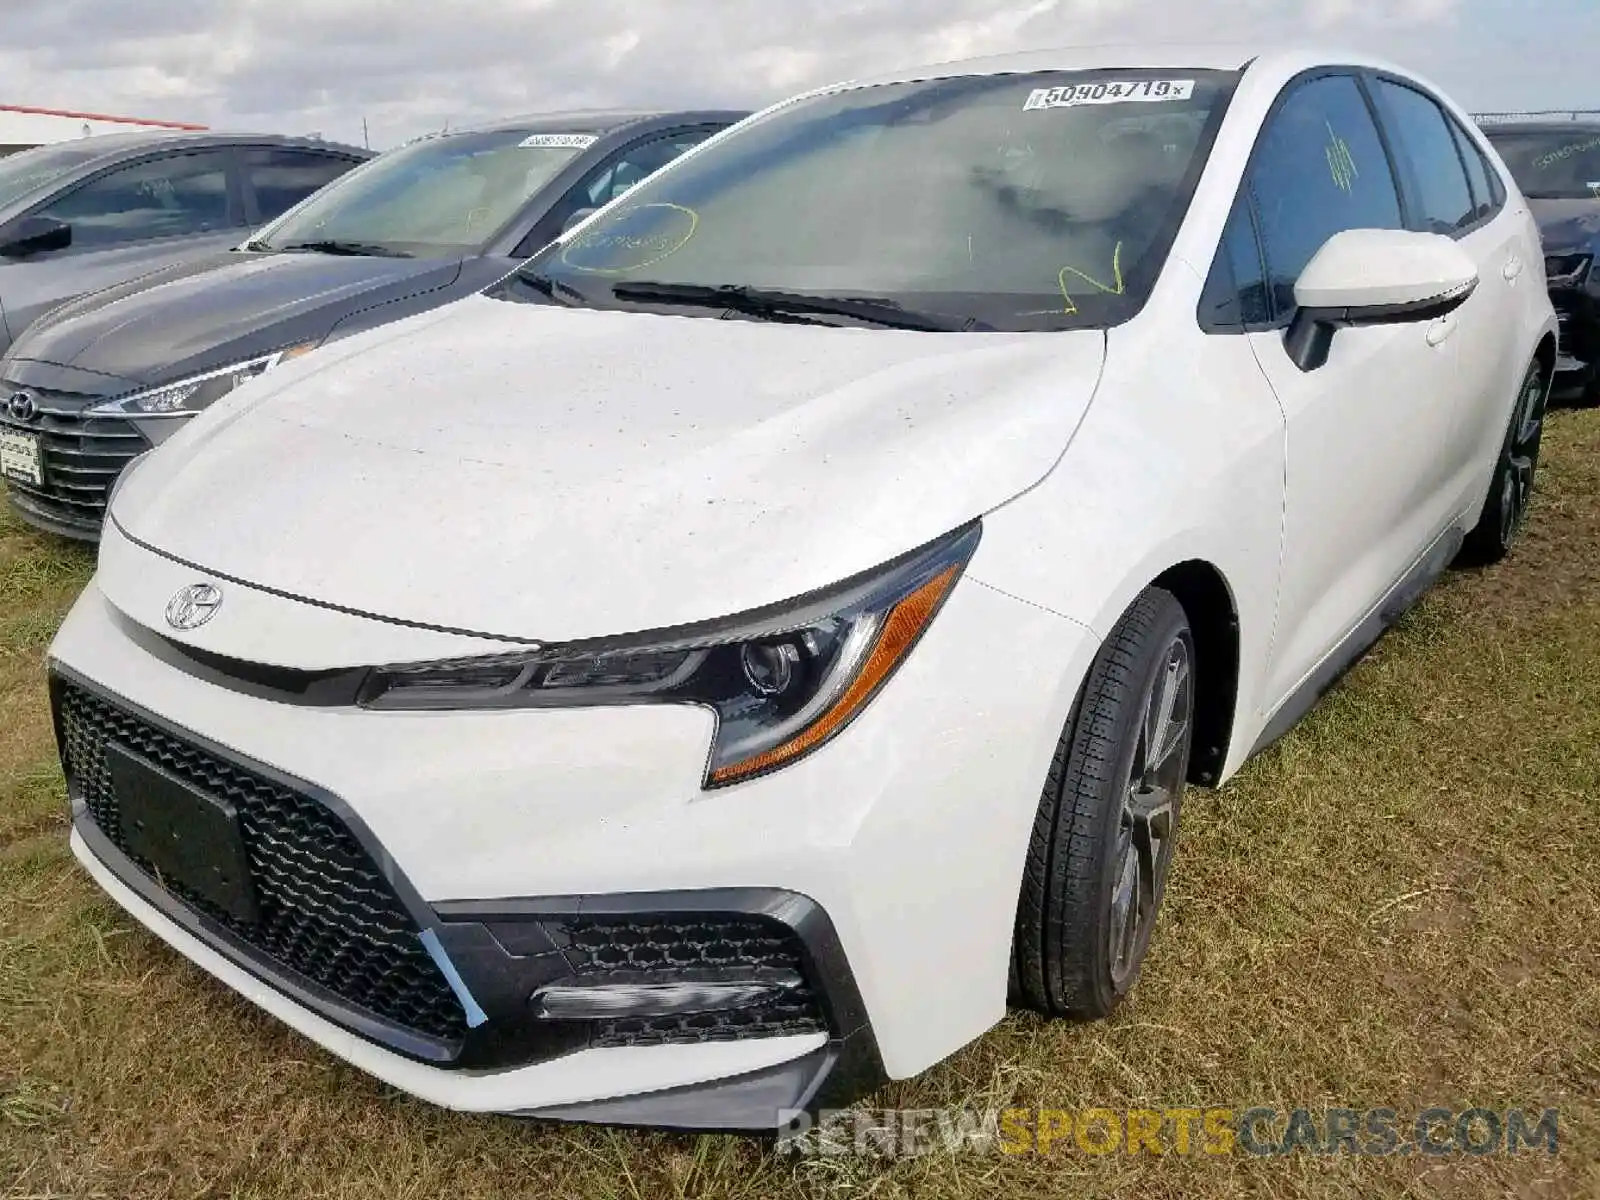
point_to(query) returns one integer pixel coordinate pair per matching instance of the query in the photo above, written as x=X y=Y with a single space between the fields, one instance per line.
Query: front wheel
x=1506 y=508
x=1107 y=824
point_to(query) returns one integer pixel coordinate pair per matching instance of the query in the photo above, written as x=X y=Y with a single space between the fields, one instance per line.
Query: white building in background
x=21 y=127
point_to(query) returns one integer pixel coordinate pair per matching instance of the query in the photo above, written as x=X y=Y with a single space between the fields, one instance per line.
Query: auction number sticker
x=558 y=141
x=1116 y=91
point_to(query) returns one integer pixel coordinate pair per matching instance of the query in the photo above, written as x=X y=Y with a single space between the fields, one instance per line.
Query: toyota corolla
x=710 y=672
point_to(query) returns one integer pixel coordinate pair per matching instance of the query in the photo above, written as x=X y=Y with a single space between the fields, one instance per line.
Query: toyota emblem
x=193 y=606
x=22 y=406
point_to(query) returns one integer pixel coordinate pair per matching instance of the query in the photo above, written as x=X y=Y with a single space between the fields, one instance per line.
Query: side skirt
x=1422 y=576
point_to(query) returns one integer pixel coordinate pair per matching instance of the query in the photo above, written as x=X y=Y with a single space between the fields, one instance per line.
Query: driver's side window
x=1319 y=169
x=633 y=167
x=614 y=177
x=177 y=195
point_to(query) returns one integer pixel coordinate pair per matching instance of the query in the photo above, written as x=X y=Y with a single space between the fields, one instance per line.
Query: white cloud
x=408 y=66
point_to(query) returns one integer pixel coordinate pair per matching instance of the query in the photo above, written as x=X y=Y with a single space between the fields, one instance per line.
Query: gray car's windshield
x=21 y=173
x=1022 y=201
x=1552 y=164
x=443 y=195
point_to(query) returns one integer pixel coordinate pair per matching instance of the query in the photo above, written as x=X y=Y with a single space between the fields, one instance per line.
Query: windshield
x=1017 y=202
x=22 y=172
x=441 y=196
x=1552 y=164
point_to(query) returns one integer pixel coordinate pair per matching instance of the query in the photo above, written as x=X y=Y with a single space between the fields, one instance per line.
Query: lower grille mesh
x=327 y=913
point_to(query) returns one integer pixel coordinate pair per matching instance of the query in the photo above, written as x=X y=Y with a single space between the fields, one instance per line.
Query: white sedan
x=712 y=671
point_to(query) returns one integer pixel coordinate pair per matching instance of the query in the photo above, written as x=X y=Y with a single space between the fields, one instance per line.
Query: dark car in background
x=105 y=378
x=1557 y=166
x=79 y=216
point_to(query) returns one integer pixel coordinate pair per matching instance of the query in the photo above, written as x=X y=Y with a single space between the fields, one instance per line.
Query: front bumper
x=890 y=859
x=1578 y=323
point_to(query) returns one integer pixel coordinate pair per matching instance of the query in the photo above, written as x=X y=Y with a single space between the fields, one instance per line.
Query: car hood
x=531 y=472
x=1566 y=225
x=193 y=317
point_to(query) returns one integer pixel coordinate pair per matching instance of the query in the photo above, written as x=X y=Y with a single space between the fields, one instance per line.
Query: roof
x=143 y=122
x=596 y=120
x=107 y=144
x=1194 y=56
x=1495 y=128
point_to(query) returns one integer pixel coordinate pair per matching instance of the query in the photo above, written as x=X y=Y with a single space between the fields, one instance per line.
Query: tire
x=1511 y=487
x=1097 y=840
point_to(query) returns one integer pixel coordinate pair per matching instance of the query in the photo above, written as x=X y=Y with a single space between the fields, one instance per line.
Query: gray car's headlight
x=782 y=681
x=188 y=396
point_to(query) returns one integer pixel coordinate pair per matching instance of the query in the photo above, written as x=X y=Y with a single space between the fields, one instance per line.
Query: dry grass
x=1398 y=906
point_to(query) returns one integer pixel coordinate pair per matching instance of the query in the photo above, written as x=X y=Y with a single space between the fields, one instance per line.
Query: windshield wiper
x=766 y=302
x=561 y=293
x=333 y=246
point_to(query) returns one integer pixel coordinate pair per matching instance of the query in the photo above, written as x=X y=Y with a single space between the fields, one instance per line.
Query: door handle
x=1513 y=268
x=1441 y=330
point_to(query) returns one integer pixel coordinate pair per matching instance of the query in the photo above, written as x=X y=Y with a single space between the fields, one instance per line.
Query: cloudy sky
x=408 y=66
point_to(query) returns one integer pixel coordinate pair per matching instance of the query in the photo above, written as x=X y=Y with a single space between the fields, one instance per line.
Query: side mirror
x=33 y=235
x=1375 y=277
x=577 y=218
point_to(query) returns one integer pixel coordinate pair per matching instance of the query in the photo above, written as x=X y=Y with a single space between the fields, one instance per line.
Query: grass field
x=1397 y=906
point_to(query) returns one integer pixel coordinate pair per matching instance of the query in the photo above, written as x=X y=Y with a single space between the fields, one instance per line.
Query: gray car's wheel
x=1106 y=828
x=1511 y=489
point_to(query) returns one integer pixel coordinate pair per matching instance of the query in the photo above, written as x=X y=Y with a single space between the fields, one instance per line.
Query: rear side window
x=283 y=178
x=1497 y=183
x=1319 y=169
x=1477 y=171
x=1437 y=187
x=163 y=197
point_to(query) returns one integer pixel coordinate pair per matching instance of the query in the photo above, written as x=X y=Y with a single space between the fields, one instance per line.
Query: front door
x=1366 y=490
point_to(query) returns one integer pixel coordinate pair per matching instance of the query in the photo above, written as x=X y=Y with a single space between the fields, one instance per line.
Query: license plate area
x=192 y=839
x=20 y=458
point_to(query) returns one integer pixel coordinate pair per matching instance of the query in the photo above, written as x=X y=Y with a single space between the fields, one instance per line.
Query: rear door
x=1363 y=486
x=1448 y=192
x=127 y=221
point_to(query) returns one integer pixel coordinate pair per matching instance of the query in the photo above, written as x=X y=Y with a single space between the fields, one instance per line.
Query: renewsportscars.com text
x=1214 y=1132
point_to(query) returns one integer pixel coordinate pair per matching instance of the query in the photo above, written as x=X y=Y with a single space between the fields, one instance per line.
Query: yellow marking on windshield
x=1115 y=289
x=1341 y=163
x=596 y=239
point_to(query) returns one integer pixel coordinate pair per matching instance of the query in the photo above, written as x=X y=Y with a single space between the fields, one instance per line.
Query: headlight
x=189 y=396
x=782 y=681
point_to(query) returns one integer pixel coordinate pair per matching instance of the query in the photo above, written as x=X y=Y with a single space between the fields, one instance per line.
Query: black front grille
x=661 y=949
x=327 y=913
x=80 y=458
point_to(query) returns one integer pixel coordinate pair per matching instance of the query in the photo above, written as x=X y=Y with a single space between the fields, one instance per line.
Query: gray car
x=80 y=216
x=107 y=376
